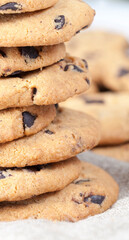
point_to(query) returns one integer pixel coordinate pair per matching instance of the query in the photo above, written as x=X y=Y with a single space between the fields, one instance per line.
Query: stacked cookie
x=107 y=55
x=39 y=140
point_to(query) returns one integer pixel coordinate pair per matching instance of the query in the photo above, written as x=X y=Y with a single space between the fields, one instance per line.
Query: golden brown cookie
x=107 y=58
x=46 y=27
x=69 y=134
x=19 y=6
x=18 y=122
x=22 y=183
x=50 y=85
x=93 y=193
x=120 y=152
x=23 y=59
x=111 y=109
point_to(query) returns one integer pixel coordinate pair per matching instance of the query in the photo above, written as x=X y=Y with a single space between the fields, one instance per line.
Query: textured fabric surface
x=113 y=224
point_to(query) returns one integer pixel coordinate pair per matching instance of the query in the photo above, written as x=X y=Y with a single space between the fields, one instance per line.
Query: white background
x=111 y=15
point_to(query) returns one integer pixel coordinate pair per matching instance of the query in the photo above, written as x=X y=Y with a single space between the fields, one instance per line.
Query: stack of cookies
x=39 y=140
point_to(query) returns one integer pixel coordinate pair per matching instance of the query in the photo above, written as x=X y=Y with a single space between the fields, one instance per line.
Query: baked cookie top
x=46 y=27
x=70 y=133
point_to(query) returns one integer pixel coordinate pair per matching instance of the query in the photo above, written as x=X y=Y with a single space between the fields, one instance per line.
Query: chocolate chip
x=96 y=199
x=56 y=105
x=28 y=119
x=88 y=81
x=34 y=91
x=85 y=27
x=82 y=181
x=73 y=67
x=59 y=22
x=92 y=101
x=49 y=132
x=30 y=52
x=122 y=72
x=36 y=168
x=2 y=53
x=11 y=6
x=82 y=29
x=1 y=175
x=16 y=73
x=85 y=62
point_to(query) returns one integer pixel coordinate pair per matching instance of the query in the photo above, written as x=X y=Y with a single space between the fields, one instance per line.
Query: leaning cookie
x=107 y=57
x=22 y=183
x=20 y=6
x=120 y=152
x=47 y=27
x=93 y=193
x=70 y=133
x=50 y=85
x=111 y=109
x=23 y=59
x=19 y=122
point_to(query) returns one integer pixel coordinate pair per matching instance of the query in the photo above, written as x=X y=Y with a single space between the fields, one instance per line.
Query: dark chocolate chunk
x=30 y=52
x=59 y=22
x=28 y=119
x=73 y=67
x=11 y=6
x=88 y=81
x=56 y=105
x=122 y=72
x=86 y=64
x=82 y=181
x=97 y=199
x=16 y=73
x=34 y=91
x=36 y=168
x=1 y=175
x=2 y=53
x=49 y=132
x=85 y=27
x=92 y=101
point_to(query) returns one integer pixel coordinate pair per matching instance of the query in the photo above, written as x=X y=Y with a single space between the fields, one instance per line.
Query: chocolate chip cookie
x=19 y=122
x=23 y=59
x=107 y=56
x=22 y=183
x=111 y=109
x=46 y=27
x=93 y=193
x=19 y=6
x=50 y=85
x=70 y=133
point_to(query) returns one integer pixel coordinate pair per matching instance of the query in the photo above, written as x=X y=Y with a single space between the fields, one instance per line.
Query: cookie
x=107 y=57
x=50 y=85
x=69 y=134
x=20 y=6
x=111 y=109
x=19 y=122
x=23 y=59
x=120 y=152
x=22 y=183
x=93 y=193
x=47 y=27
